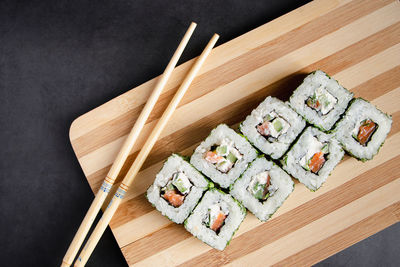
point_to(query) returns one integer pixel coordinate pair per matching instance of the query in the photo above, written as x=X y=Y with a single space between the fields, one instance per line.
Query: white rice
x=195 y=225
x=358 y=111
x=174 y=164
x=310 y=84
x=291 y=161
x=216 y=137
x=279 y=179
x=278 y=147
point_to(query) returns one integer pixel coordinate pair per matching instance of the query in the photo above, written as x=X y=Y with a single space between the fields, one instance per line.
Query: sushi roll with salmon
x=262 y=188
x=223 y=156
x=363 y=129
x=321 y=100
x=177 y=189
x=313 y=157
x=216 y=219
x=272 y=127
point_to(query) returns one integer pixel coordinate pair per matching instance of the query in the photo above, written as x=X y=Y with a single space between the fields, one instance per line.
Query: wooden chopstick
x=144 y=152
x=124 y=153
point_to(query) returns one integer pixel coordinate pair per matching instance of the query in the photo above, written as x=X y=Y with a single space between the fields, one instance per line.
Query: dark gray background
x=60 y=59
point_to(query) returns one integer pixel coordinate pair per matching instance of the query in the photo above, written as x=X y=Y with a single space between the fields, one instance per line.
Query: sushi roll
x=321 y=100
x=177 y=189
x=363 y=129
x=262 y=188
x=216 y=219
x=313 y=157
x=272 y=127
x=223 y=156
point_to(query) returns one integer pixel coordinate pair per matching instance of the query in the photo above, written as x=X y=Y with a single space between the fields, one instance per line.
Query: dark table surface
x=60 y=59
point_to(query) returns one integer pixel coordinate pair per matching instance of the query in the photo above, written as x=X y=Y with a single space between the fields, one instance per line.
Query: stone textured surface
x=60 y=59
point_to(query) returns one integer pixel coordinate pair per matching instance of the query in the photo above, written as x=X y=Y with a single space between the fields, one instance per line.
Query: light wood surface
x=357 y=42
x=124 y=153
x=141 y=157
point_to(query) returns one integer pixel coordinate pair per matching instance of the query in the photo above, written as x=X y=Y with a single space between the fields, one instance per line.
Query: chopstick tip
x=215 y=37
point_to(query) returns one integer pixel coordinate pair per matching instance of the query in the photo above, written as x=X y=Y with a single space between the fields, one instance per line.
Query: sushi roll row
x=354 y=125
x=305 y=137
x=178 y=191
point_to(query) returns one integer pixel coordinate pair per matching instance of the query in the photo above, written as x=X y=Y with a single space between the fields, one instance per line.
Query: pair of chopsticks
x=141 y=157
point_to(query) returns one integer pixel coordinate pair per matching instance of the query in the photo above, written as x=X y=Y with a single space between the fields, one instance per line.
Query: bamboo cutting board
x=357 y=42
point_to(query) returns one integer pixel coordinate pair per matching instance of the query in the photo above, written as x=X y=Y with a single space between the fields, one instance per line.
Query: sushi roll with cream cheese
x=262 y=188
x=177 y=189
x=223 y=156
x=215 y=219
x=272 y=127
x=313 y=157
x=321 y=100
x=363 y=129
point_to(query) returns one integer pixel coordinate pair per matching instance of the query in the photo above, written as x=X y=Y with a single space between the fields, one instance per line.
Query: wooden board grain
x=357 y=42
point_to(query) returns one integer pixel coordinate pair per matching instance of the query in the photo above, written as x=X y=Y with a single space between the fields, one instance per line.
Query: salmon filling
x=174 y=197
x=218 y=222
x=365 y=131
x=216 y=216
x=316 y=162
x=316 y=156
x=223 y=156
x=176 y=189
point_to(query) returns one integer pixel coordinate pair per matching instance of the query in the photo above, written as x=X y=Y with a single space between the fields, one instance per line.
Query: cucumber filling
x=273 y=126
x=260 y=186
x=223 y=156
